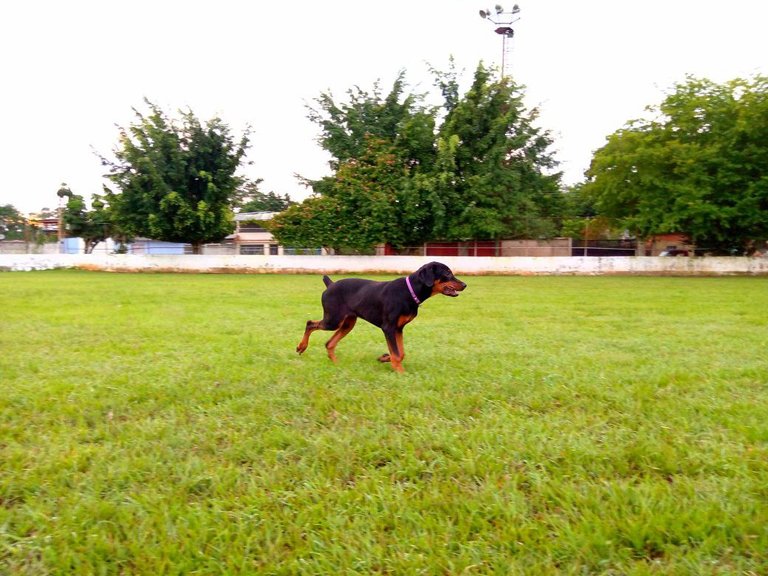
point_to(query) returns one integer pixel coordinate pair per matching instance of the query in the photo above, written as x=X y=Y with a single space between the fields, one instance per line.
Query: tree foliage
x=402 y=178
x=254 y=200
x=12 y=223
x=400 y=119
x=309 y=224
x=698 y=166
x=176 y=179
x=358 y=207
x=498 y=178
x=93 y=226
x=379 y=144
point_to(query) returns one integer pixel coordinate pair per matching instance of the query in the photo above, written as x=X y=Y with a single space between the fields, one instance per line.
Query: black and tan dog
x=388 y=305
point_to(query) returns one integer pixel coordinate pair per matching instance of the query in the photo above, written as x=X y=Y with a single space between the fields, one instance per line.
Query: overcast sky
x=72 y=71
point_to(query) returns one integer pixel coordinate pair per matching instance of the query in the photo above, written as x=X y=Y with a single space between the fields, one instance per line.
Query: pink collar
x=410 y=289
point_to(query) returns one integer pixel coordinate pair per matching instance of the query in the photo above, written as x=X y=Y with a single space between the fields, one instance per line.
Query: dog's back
x=356 y=296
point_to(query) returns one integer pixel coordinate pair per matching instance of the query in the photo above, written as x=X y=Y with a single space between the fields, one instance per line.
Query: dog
x=387 y=305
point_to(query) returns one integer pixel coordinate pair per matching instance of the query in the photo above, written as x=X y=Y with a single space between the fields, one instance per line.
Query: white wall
x=568 y=265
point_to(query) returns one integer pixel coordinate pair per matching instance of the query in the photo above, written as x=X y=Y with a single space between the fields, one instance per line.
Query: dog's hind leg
x=329 y=322
x=344 y=328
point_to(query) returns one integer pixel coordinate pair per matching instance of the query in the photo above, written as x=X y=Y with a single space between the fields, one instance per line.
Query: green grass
x=163 y=424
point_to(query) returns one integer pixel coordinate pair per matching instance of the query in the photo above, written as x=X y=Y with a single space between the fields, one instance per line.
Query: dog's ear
x=428 y=273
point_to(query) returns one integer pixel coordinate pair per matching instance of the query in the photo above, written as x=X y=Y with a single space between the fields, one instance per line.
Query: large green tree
x=379 y=144
x=698 y=166
x=401 y=179
x=496 y=172
x=176 y=179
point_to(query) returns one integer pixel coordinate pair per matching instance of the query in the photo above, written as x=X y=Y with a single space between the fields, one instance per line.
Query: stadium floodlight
x=503 y=21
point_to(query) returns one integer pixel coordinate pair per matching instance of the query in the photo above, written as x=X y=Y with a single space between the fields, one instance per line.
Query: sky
x=72 y=72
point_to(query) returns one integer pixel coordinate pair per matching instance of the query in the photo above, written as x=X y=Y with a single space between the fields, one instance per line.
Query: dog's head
x=440 y=278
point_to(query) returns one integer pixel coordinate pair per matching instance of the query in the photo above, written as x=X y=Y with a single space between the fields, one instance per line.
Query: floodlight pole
x=60 y=225
x=63 y=193
x=503 y=20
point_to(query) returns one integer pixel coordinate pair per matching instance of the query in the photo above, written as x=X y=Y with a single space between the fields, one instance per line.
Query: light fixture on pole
x=503 y=21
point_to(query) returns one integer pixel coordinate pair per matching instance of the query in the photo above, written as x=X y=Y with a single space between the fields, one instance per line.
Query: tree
x=697 y=166
x=497 y=174
x=364 y=194
x=12 y=223
x=93 y=226
x=379 y=144
x=398 y=118
x=310 y=224
x=357 y=210
x=176 y=179
x=485 y=173
x=254 y=200
x=581 y=220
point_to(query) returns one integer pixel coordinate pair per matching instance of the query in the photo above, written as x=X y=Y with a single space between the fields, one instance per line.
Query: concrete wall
x=565 y=265
x=21 y=247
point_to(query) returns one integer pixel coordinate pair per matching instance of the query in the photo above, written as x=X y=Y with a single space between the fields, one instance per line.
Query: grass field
x=164 y=424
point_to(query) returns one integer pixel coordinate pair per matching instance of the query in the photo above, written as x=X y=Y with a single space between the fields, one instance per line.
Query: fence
x=618 y=247
x=479 y=248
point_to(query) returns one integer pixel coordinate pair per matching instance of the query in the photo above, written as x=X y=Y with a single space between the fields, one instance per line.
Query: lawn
x=164 y=424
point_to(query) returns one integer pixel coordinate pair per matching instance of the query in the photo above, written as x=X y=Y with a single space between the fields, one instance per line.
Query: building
x=251 y=237
x=49 y=226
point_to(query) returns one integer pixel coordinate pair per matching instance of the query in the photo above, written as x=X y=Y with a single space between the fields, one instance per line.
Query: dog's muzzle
x=453 y=289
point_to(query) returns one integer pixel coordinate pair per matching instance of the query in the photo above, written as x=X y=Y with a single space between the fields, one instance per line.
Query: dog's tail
x=327 y=281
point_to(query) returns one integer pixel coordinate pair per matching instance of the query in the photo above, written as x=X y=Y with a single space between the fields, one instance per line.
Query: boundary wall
x=516 y=265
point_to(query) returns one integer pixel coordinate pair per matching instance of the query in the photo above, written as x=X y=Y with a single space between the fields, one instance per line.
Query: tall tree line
x=475 y=167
